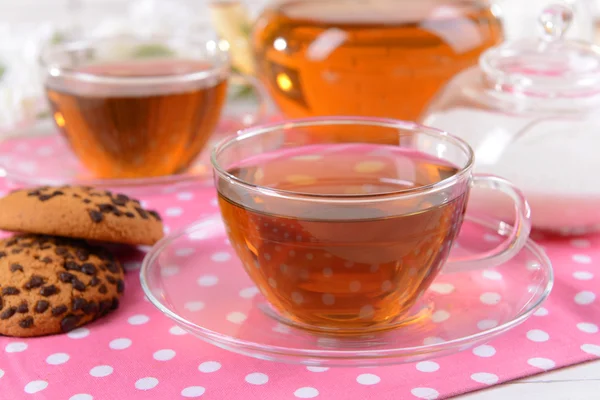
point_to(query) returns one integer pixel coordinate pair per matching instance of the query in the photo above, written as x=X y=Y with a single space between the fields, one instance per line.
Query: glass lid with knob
x=547 y=66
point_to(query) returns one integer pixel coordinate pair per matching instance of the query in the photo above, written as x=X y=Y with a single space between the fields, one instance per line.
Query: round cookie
x=50 y=285
x=80 y=212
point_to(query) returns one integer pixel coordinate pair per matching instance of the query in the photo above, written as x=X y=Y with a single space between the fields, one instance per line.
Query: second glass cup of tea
x=133 y=107
x=345 y=236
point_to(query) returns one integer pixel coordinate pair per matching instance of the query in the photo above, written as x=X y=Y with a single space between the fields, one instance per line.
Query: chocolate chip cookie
x=50 y=285
x=80 y=212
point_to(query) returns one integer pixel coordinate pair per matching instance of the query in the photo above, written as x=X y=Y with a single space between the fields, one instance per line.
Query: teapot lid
x=547 y=66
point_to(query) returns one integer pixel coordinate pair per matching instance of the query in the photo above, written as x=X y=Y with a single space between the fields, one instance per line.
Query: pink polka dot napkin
x=137 y=353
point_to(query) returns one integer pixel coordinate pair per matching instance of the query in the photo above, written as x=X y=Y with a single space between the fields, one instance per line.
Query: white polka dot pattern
x=209 y=366
x=120 y=343
x=146 y=383
x=193 y=391
x=35 y=386
x=306 y=393
x=257 y=378
x=57 y=358
x=368 y=379
x=79 y=333
x=142 y=353
x=81 y=396
x=101 y=371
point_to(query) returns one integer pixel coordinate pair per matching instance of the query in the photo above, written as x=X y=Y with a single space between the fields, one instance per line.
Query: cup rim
x=341 y=120
x=219 y=47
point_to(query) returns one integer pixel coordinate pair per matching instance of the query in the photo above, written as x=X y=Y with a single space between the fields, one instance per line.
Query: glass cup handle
x=265 y=104
x=513 y=243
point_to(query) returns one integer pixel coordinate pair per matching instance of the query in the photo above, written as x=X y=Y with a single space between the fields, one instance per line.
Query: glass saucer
x=37 y=154
x=194 y=277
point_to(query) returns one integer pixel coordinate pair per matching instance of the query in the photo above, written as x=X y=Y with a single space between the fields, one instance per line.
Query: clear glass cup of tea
x=137 y=107
x=346 y=236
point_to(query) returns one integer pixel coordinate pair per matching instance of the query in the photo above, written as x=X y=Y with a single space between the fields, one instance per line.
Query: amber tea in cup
x=132 y=107
x=346 y=236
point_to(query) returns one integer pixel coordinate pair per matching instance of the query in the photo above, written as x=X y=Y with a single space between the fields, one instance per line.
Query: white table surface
x=580 y=382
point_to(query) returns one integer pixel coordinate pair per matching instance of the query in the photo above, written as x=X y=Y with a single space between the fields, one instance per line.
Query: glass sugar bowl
x=531 y=112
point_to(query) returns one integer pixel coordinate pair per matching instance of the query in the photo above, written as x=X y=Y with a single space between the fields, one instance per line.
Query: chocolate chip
x=61 y=251
x=69 y=323
x=120 y=286
x=87 y=201
x=117 y=213
x=48 y=290
x=91 y=308
x=23 y=308
x=56 y=311
x=1 y=303
x=35 y=282
x=103 y=254
x=113 y=267
x=104 y=307
x=2 y=254
x=10 y=291
x=9 y=312
x=88 y=269
x=79 y=304
x=106 y=208
x=102 y=289
x=129 y=214
x=76 y=195
x=57 y=193
x=115 y=304
x=72 y=266
x=82 y=254
x=16 y=267
x=96 y=216
x=45 y=197
x=33 y=193
x=111 y=279
x=155 y=215
x=46 y=260
x=142 y=212
x=45 y=247
x=41 y=306
x=94 y=281
x=78 y=285
x=26 y=322
x=120 y=200
x=11 y=242
x=66 y=277
x=16 y=251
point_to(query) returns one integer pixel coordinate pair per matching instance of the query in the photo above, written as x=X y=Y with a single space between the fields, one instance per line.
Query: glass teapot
x=383 y=58
x=531 y=112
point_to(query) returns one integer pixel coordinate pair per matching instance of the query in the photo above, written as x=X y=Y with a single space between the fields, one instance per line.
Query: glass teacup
x=135 y=106
x=346 y=236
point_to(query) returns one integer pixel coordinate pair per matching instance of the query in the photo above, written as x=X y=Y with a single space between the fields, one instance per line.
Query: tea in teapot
x=383 y=58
